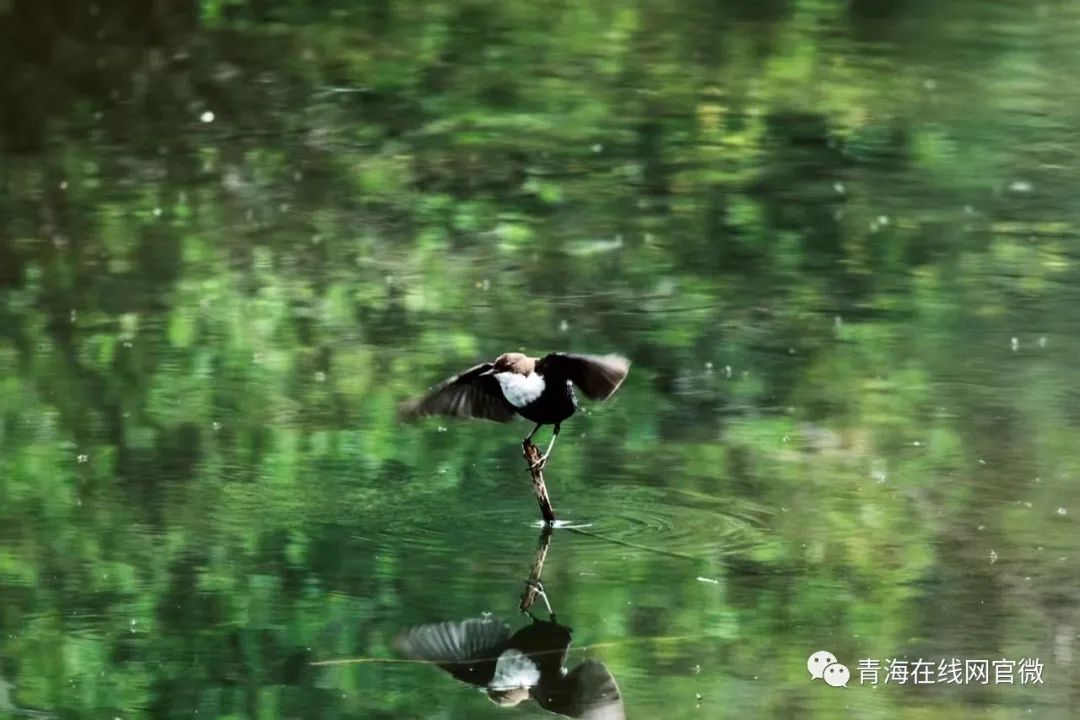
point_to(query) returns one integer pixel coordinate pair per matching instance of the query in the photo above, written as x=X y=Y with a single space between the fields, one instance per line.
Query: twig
x=532 y=456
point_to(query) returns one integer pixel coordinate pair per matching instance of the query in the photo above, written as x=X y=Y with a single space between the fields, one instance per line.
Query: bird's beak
x=489 y=371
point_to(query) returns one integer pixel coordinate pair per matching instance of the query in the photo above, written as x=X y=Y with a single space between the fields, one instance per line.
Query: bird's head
x=508 y=697
x=518 y=363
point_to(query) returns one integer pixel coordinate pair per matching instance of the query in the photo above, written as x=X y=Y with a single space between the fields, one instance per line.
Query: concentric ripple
x=669 y=521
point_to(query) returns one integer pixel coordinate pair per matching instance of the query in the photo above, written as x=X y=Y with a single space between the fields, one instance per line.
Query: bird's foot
x=539 y=464
x=536 y=586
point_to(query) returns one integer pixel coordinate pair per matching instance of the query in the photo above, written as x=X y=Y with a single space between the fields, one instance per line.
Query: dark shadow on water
x=528 y=664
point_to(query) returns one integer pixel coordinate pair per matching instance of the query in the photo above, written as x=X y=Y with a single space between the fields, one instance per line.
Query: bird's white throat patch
x=514 y=669
x=520 y=390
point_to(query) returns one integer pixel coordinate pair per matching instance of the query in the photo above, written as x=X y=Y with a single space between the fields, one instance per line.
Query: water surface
x=837 y=240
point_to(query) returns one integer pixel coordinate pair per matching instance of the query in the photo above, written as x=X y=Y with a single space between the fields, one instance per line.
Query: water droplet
x=207 y=117
x=1042 y=341
x=157 y=212
x=727 y=371
x=839 y=188
x=82 y=458
x=1021 y=186
x=320 y=376
x=1014 y=344
x=564 y=326
x=598 y=148
x=216 y=426
x=993 y=557
x=64 y=185
x=1062 y=511
x=883 y=220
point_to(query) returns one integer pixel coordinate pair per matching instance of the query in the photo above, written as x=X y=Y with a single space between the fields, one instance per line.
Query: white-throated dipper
x=537 y=389
x=528 y=665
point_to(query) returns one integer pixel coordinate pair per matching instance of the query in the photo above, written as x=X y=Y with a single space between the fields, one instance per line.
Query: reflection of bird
x=538 y=389
x=510 y=669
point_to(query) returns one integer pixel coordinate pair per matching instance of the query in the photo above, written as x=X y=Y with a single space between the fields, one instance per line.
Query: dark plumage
x=530 y=664
x=538 y=389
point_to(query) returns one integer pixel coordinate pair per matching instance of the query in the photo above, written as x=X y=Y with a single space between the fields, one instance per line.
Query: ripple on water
x=496 y=536
x=469 y=527
x=667 y=521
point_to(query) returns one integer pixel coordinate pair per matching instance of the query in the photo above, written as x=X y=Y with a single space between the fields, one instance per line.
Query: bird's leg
x=543 y=458
x=529 y=437
x=528 y=441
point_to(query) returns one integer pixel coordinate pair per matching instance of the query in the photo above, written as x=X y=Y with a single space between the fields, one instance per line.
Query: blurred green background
x=837 y=238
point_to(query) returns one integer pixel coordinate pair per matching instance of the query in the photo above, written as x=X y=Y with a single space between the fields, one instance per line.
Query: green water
x=838 y=240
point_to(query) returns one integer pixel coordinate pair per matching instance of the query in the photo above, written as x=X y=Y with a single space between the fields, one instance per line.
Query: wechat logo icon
x=823 y=666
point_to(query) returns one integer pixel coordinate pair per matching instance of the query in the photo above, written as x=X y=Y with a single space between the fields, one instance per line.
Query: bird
x=537 y=389
x=530 y=664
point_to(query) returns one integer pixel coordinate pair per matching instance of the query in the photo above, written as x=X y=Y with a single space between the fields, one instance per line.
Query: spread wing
x=589 y=692
x=598 y=376
x=469 y=395
x=468 y=649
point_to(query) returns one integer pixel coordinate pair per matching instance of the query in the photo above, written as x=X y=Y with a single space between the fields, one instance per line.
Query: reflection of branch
x=532 y=456
x=532 y=585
